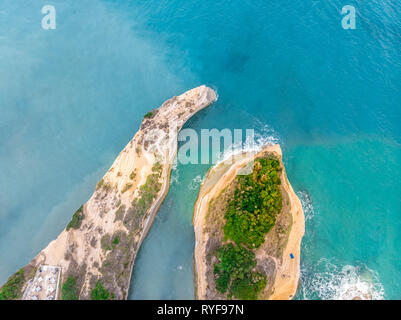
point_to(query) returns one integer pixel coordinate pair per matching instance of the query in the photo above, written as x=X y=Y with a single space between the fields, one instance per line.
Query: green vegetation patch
x=76 y=220
x=126 y=187
x=108 y=242
x=249 y=287
x=257 y=202
x=116 y=269
x=148 y=191
x=148 y=115
x=69 y=290
x=103 y=185
x=234 y=273
x=132 y=176
x=250 y=215
x=12 y=289
x=100 y=293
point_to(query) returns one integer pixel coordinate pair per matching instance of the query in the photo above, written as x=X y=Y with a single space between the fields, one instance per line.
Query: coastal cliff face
x=273 y=266
x=99 y=246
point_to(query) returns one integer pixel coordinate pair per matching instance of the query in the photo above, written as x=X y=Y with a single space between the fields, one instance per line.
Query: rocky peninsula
x=248 y=230
x=97 y=250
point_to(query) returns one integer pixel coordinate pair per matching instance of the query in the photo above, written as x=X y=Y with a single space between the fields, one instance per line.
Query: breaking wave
x=195 y=183
x=265 y=136
x=307 y=205
x=342 y=283
x=175 y=173
x=326 y=280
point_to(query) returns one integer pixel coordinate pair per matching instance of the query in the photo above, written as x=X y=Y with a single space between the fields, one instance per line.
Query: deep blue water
x=71 y=98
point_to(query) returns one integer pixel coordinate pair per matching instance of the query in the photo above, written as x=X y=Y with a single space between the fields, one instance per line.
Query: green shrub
x=235 y=263
x=100 y=293
x=234 y=272
x=148 y=191
x=222 y=280
x=257 y=202
x=243 y=289
x=249 y=287
x=249 y=217
x=12 y=289
x=107 y=244
x=235 y=260
x=100 y=184
x=116 y=241
x=103 y=185
x=157 y=167
x=126 y=187
x=69 y=290
x=76 y=220
x=148 y=115
x=132 y=175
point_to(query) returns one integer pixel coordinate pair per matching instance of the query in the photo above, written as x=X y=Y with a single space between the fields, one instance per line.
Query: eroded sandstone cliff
x=99 y=246
x=277 y=258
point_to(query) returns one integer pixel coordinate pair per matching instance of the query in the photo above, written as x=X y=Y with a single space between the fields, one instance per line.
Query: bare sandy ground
x=288 y=271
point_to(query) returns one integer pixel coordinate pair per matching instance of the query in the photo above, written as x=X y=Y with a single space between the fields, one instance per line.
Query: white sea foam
x=342 y=283
x=195 y=183
x=175 y=173
x=307 y=205
x=326 y=280
x=265 y=136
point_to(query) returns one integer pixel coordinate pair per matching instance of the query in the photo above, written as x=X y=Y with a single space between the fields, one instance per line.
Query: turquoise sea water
x=71 y=98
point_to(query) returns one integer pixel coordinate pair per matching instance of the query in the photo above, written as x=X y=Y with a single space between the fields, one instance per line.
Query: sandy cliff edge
x=90 y=252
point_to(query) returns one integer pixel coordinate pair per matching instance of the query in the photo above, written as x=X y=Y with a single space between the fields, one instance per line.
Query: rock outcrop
x=100 y=244
x=278 y=258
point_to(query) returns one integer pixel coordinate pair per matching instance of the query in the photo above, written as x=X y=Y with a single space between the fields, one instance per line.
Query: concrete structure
x=45 y=284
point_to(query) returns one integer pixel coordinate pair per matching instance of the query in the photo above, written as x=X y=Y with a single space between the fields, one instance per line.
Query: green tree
x=76 y=220
x=250 y=215
x=256 y=203
x=99 y=292
x=69 y=290
x=12 y=289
